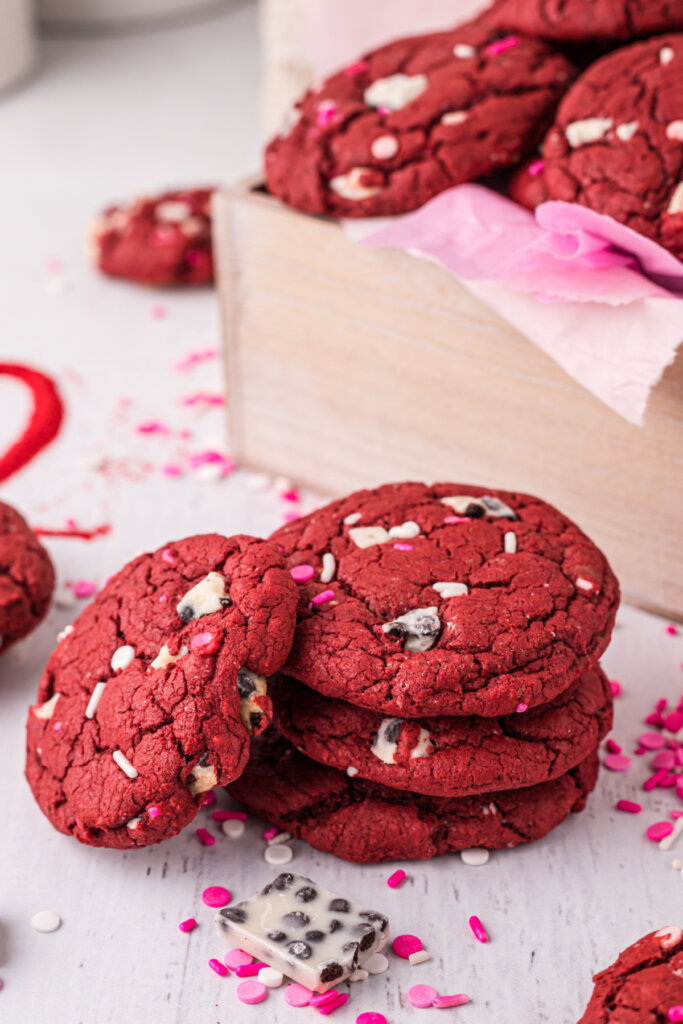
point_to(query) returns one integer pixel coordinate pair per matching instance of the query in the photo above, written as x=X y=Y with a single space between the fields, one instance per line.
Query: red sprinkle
x=501 y=45
x=629 y=806
x=404 y=945
x=396 y=878
x=188 y=926
x=673 y=722
x=205 y=837
x=480 y=933
x=219 y=968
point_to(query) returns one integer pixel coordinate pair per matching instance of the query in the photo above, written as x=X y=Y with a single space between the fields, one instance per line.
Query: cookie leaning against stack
x=421 y=608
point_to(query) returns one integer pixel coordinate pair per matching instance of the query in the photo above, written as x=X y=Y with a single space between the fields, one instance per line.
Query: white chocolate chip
x=453 y=117
x=122 y=657
x=406 y=531
x=676 y=202
x=233 y=828
x=584 y=584
x=368 y=536
x=47 y=709
x=124 y=764
x=475 y=857
x=666 y=55
x=329 y=567
x=206 y=597
x=451 y=589
x=419 y=957
x=377 y=963
x=424 y=745
x=46 y=921
x=95 y=698
x=669 y=936
x=133 y=823
x=351 y=771
x=395 y=91
x=384 y=147
x=352 y=518
x=172 y=211
x=626 y=131
x=385 y=743
x=350 y=185
x=165 y=658
x=463 y=51
x=269 y=977
x=203 y=778
x=591 y=129
x=278 y=855
x=510 y=542
x=674 y=130
x=64 y=633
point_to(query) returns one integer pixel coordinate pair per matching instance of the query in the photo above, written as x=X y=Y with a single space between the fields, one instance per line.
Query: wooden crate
x=349 y=367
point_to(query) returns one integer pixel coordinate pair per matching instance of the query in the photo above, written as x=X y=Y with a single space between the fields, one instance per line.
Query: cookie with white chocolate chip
x=415 y=117
x=152 y=698
x=27 y=578
x=578 y=21
x=448 y=599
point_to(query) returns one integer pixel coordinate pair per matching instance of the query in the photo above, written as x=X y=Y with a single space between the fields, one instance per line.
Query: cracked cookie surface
x=367 y=823
x=617 y=142
x=165 y=240
x=27 y=577
x=643 y=983
x=523 y=603
x=579 y=20
x=151 y=699
x=414 y=118
x=448 y=756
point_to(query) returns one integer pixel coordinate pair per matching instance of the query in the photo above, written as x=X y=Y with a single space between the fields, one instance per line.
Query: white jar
x=114 y=13
x=17 y=41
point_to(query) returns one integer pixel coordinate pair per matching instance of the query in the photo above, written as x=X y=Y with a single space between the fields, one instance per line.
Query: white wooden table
x=106 y=119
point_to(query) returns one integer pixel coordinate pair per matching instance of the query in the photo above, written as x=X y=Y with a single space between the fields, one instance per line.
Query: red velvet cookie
x=164 y=240
x=366 y=823
x=27 y=578
x=415 y=117
x=643 y=983
x=445 y=600
x=448 y=757
x=527 y=184
x=151 y=699
x=617 y=143
x=580 y=20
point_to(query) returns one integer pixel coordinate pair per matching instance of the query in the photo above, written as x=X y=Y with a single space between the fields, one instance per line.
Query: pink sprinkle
x=403 y=547
x=57 y=726
x=235 y=958
x=669 y=781
x=157 y=312
x=673 y=722
x=205 y=837
x=422 y=996
x=535 y=168
x=251 y=991
x=168 y=557
x=291 y=495
x=320 y=998
x=54 y=265
x=639 y=751
x=671 y=629
x=629 y=806
x=664 y=759
x=249 y=970
x=302 y=573
x=152 y=427
x=216 y=896
x=229 y=815
x=675 y=1013
x=651 y=740
x=356 y=69
x=679 y=757
x=617 y=762
x=613 y=747
x=203 y=398
x=326 y=113
x=521 y=708
x=501 y=45
x=480 y=933
x=153 y=812
x=661 y=704
x=334 y=1004
x=219 y=968
x=205 y=643
x=396 y=879
x=298 y=995
x=188 y=361
x=83 y=588
x=188 y=926
x=270 y=833
x=209 y=798
x=679 y=788
x=371 y=1017
x=675 y=814
x=172 y=469
x=616 y=687
x=443 y=1001
x=291 y=517
x=404 y=945
x=326 y=595
x=457 y=519
x=660 y=830
x=655 y=780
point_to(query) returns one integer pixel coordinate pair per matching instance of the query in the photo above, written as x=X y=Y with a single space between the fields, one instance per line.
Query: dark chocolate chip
x=306 y=894
x=393 y=731
x=315 y=936
x=283 y=881
x=186 y=613
x=236 y=914
x=301 y=950
x=339 y=906
x=277 y=936
x=335 y=925
x=330 y=970
x=297 y=919
x=372 y=915
x=475 y=511
x=245 y=683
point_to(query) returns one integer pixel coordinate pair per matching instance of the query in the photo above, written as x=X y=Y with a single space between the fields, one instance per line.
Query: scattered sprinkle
x=371 y=1017
x=229 y=815
x=298 y=995
x=302 y=573
x=278 y=855
x=377 y=963
x=124 y=764
x=83 y=589
x=233 y=828
x=334 y=1004
x=251 y=991
x=475 y=857
x=501 y=45
x=616 y=687
x=216 y=896
x=329 y=567
x=235 y=958
x=421 y=957
x=422 y=996
x=442 y=1002
x=612 y=747
x=521 y=708
x=651 y=740
x=218 y=967
x=325 y=595
x=95 y=698
x=478 y=930
x=249 y=970
x=675 y=1013
x=320 y=998
x=270 y=833
x=46 y=921
x=271 y=978
x=629 y=806
x=403 y=547
x=671 y=629
x=660 y=830
x=205 y=837
x=404 y=945
x=395 y=880
x=617 y=762
x=188 y=926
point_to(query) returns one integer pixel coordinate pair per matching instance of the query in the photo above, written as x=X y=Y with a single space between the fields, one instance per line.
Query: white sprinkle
x=510 y=542
x=376 y=964
x=47 y=709
x=257 y=481
x=677 y=864
x=269 y=977
x=352 y=518
x=64 y=633
x=592 y=129
x=463 y=51
x=95 y=698
x=395 y=91
x=454 y=117
x=368 y=536
x=172 y=211
x=351 y=771
x=64 y=598
x=46 y=921
x=233 y=828
x=475 y=857
x=667 y=842
x=329 y=567
x=584 y=584
x=203 y=778
x=122 y=657
x=666 y=55
x=451 y=589
x=133 y=823
x=669 y=936
x=626 y=131
x=281 y=837
x=674 y=130
x=206 y=597
x=406 y=531
x=124 y=764
x=360 y=974
x=165 y=658
x=384 y=147
x=676 y=203
x=350 y=185
x=278 y=855
x=210 y=472
x=420 y=957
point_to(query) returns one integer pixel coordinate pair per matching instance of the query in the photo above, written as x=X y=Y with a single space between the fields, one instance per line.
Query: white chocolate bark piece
x=309 y=934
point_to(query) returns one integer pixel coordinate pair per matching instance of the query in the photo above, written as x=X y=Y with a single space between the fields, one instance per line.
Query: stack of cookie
x=443 y=690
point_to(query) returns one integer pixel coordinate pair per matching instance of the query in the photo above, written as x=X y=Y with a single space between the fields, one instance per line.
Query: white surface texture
x=108 y=119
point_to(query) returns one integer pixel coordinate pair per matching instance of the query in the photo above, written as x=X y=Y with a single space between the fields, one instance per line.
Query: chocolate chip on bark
x=420 y=629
